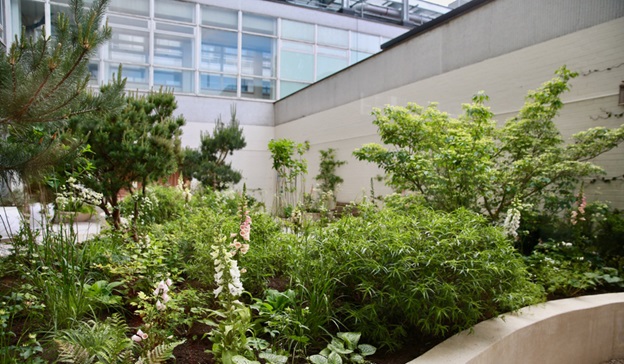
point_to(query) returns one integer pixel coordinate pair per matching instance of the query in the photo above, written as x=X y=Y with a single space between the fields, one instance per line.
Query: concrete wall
x=583 y=330
x=336 y=112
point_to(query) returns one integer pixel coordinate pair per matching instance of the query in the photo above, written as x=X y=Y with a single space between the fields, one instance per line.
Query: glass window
x=170 y=50
x=176 y=80
x=30 y=17
x=297 y=31
x=94 y=68
x=358 y=56
x=218 y=17
x=258 y=56
x=175 y=28
x=219 y=51
x=341 y=53
x=297 y=66
x=287 y=88
x=258 y=88
x=259 y=24
x=296 y=46
x=333 y=37
x=214 y=84
x=135 y=7
x=174 y=10
x=365 y=42
x=129 y=46
x=136 y=76
x=121 y=20
x=326 y=65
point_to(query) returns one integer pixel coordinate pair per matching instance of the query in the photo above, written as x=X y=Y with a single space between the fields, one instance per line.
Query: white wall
x=505 y=78
x=256 y=119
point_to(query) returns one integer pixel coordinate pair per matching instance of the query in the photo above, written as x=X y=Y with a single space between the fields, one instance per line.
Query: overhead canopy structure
x=405 y=12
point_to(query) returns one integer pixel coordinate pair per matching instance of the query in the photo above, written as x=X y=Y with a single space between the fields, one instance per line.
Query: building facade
x=312 y=70
x=503 y=47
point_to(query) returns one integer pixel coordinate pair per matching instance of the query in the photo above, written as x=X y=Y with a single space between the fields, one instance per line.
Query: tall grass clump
x=405 y=271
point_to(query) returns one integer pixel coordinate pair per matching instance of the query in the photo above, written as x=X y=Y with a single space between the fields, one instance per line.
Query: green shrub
x=567 y=269
x=159 y=205
x=404 y=269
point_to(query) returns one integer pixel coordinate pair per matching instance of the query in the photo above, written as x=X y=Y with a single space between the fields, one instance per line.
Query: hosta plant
x=344 y=348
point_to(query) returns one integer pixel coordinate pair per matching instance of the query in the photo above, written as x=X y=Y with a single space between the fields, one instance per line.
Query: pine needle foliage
x=208 y=163
x=140 y=143
x=42 y=83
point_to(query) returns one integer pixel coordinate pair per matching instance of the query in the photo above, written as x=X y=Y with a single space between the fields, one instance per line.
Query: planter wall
x=583 y=330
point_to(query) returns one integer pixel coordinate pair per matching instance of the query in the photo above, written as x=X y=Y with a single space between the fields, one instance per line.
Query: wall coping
x=588 y=329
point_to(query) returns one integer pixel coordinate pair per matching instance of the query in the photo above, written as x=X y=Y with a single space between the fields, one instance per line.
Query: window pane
x=358 y=56
x=219 y=51
x=287 y=88
x=179 y=81
x=259 y=24
x=175 y=28
x=258 y=56
x=333 y=37
x=297 y=66
x=218 y=17
x=170 y=50
x=136 y=7
x=296 y=46
x=174 y=10
x=136 y=76
x=328 y=65
x=133 y=22
x=365 y=42
x=94 y=73
x=129 y=46
x=31 y=16
x=339 y=53
x=213 y=84
x=258 y=88
x=297 y=31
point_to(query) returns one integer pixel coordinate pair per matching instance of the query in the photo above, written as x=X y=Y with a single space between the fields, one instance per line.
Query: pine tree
x=139 y=144
x=42 y=84
x=208 y=164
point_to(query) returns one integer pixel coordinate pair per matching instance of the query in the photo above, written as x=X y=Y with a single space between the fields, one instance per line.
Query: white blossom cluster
x=186 y=192
x=512 y=222
x=76 y=195
x=227 y=274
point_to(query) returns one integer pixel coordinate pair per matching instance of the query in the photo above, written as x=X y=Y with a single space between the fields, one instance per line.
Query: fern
x=93 y=341
x=159 y=354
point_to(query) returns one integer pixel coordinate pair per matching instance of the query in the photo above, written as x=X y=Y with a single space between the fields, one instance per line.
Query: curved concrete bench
x=583 y=330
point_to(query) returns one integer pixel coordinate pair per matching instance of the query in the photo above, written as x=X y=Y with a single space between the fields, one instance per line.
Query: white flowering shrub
x=73 y=196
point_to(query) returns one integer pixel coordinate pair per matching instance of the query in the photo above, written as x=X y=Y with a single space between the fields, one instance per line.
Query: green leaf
x=366 y=349
x=334 y=358
x=350 y=338
x=356 y=358
x=317 y=359
x=239 y=359
x=273 y=358
x=337 y=346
